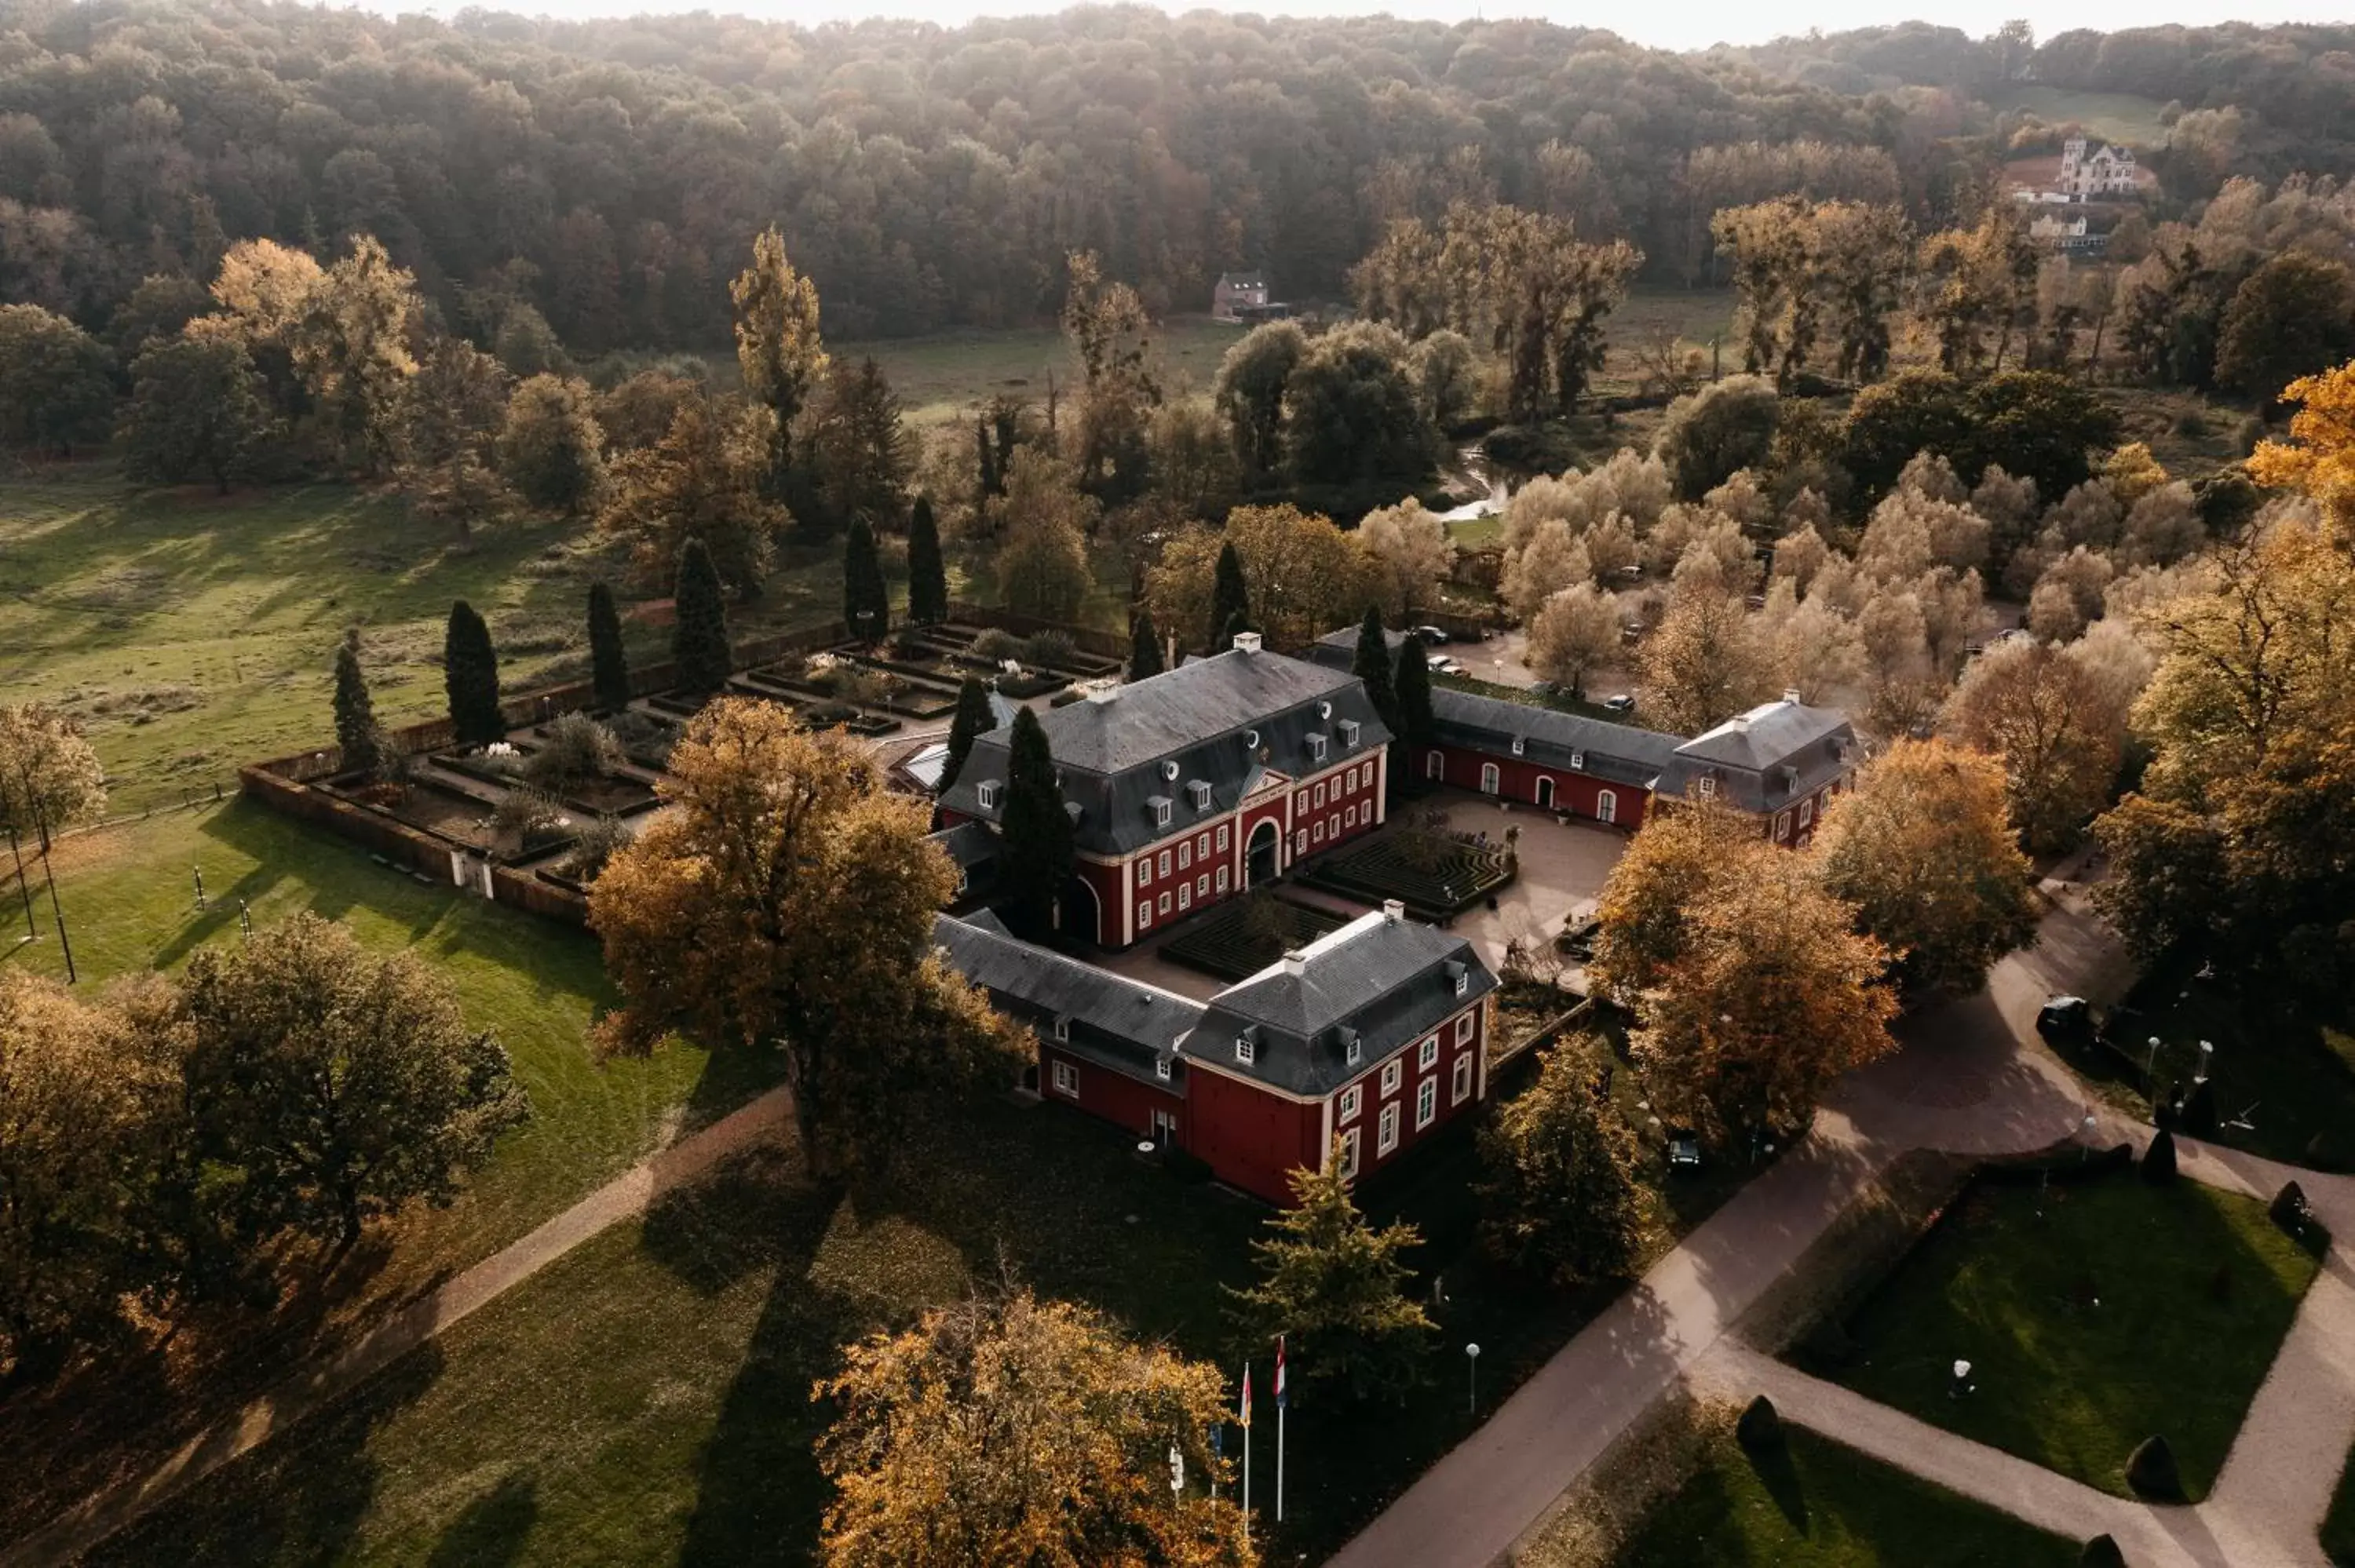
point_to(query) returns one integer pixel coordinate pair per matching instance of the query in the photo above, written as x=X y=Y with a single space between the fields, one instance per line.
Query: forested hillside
x=616 y=171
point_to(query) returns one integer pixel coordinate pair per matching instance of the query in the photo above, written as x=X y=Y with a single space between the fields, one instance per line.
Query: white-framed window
x=1606 y=806
x=1164 y=863
x=1426 y=1103
x=1489 y=778
x=1355 y=1051
x=1350 y=817
x=1317 y=747
x=1390 y=1071
x=1185 y=854
x=1067 y=1079
x=1245 y=1052
x=1200 y=788
x=1578 y=762
x=1332 y=827
x=1300 y=842
x=1300 y=801
x=1161 y=1069
x=1161 y=813
x=1352 y=1099
x=1520 y=744
x=1145 y=913
x=1350 y=1154
x=1428 y=1056
x=1165 y=904
x=1222 y=835
x=1463 y=1085
x=1806 y=812
x=1201 y=846
x=1062 y=1028
x=1707 y=788
x=1782 y=824
x=1464 y=1028
x=1317 y=796
x=1222 y=879
x=1317 y=831
x=1145 y=872
x=1434 y=766
x=1348 y=732
x=1388 y=1139
x=985 y=792
x=1202 y=886
x=1463 y=982
x=1185 y=896
x=1366 y=776
x=1542 y=792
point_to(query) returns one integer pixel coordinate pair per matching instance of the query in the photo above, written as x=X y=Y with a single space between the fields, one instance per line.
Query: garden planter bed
x=1434 y=884
x=460 y=818
x=1245 y=936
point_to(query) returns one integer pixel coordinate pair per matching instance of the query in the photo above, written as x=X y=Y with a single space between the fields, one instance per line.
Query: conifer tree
x=1144 y=648
x=1336 y=1289
x=698 y=638
x=1412 y=692
x=1034 y=829
x=866 y=600
x=928 y=577
x=470 y=673
x=972 y=722
x=608 y=663
x=1371 y=665
x=1562 y=1200
x=1229 y=598
x=355 y=731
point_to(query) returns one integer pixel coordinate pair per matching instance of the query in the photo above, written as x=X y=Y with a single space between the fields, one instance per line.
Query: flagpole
x=1247 y=1451
x=1281 y=1401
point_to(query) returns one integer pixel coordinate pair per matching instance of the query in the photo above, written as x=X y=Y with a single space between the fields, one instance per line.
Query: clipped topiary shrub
x=2158 y=1160
x=2289 y=1208
x=2102 y=1551
x=1761 y=1427
x=2151 y=1471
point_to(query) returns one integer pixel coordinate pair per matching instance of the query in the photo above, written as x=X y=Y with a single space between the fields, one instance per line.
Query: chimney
x=1393 y=911
x=1791 y=696
x=1246 y=642
x=1104 y=691
x=1296 y=963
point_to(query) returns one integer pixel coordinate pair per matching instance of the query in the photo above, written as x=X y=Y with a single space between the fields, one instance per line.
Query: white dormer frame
x=1162 y=1068
x=1246 y=1050
x=1349 y=733
x=1200 y=788
x=1160 y=813
x=1355 y=1050
x=986 y=794
x=1707 y=786
x=1463 y=984
x=1520 y=744
x=1317 y=747
x=1578 y=762
x=1062 y=1026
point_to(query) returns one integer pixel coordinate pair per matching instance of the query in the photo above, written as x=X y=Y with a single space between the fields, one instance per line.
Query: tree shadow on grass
x=491 y=1532
x=1778 y=1472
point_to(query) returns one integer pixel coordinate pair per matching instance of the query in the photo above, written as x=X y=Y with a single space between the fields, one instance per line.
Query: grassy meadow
x=2109 y=116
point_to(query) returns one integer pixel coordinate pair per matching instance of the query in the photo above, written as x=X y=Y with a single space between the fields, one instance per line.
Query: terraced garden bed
x=1436 y=875
x=1242 y=937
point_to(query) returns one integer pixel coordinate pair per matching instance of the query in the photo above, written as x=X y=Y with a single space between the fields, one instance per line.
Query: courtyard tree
x=702 y=480
x=1372 y=664
x=2049 y=722
x=89 y=1122
x=49 y=777
x=972 y=720
x=197 y=408
x=1145 y=659
x=549 y=446
x=779 y=353
x=470 y=677
x=1413 y=691
x=336 y=1083
x=1575 y=632
x=698 y=636
x=784 y=900
x=1651 y=897
x=54 y=389
x=1335 y=1287
x=1924 y=849
x=1006 y=1429
x=1560 y=1199
x=865 y=598
x=1035 y=838
x=1773 y=996
x=609 y=661
x=928 y=580
x=356 y=737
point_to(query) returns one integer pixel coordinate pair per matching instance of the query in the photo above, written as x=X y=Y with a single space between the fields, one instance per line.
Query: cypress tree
x=1034 y=829
x=1371 y=665
x=356 y=733
x=1229 y=599
x=985 y=461
x=699 y=633
x=928 y=578
x=470 y=673
x=1144 y=648
x=609 y=665
x=865 y=601
x=1412 y=692
x=970 y=723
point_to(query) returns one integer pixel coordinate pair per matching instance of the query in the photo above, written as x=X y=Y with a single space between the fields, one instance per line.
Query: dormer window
x=1353 y=1048
x=1062 y=1028
x=1707 y=788
x=1578 y=762
x=1200 y=788
x=1317 y=747
x=1461 y=976
x=985 y=793
x=1161 y=813
x=1161 y=1068
x=1349 y=732
x=1245 y=1050
x=1519 y=745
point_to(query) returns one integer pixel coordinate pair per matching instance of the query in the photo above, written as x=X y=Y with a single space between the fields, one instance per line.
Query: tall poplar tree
x=608 y=663
x=928 y=577
x=778 y=350
x=1034 y=828
x=699 y=637
x=1411 y=691
x=470 y=673
x=972 y=721
x=1371 y=665
x=866 y=598
x=1144 y=648
x=356 y=733
x=1229 y=599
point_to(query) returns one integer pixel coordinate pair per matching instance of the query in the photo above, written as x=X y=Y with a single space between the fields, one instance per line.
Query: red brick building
x=1360 y=1044
x=1190 y=785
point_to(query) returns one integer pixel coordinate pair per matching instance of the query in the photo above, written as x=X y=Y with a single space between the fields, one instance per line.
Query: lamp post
x=1961 y=1383
x=2207 y=1058
x=2150 y=1064
x=23 y=888
x=2085 y=1144
x=1472 y=1380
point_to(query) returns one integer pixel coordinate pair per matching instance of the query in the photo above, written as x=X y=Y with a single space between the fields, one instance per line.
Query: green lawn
x=943 y=375
x=2111 y=116
x=1819 y=1504
x=2122 y=1311
x=128 y=896
x=2338 y=1530
x=191 y=633
x=2289 y=1076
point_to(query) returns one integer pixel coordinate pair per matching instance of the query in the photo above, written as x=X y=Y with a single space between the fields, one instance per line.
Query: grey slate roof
x=1115 y=756
x=1338 y=650
x=1619 y=753
x=968 y=845
x=1390 y=981
x=1764 y=759
x=1113 y=1022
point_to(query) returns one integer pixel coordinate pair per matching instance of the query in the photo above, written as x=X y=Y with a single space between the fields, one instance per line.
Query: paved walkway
x=765 y=1119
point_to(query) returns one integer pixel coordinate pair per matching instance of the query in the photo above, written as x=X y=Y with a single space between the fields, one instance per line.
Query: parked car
x=1432 y=636
x=2066 y=1020
x=1621 y=704
x=1446 y=666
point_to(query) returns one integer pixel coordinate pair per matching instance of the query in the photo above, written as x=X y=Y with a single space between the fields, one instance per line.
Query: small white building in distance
x=1238 y=296
x=2106 y=171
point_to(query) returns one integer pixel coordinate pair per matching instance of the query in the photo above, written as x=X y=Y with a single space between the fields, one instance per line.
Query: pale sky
x=1691 y=24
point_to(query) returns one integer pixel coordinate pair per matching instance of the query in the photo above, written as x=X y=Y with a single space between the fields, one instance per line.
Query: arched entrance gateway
x=1259 y=857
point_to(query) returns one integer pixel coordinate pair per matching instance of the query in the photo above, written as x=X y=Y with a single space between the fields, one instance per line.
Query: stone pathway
x=766 y=1119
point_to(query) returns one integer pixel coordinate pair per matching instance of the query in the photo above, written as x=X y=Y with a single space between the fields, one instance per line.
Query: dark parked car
x=1432 y=636
x=2066 y=1020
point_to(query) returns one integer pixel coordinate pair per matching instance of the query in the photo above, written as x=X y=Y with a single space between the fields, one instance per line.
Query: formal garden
x=1437 y=872
x=1803 y=1502
x=2116 y=1328
x=1243 y=937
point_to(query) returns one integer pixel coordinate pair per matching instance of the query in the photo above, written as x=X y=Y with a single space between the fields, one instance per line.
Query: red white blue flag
x=1279 y=1372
